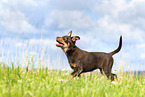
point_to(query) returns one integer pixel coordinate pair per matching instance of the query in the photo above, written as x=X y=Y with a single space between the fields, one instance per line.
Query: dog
x=82 y=61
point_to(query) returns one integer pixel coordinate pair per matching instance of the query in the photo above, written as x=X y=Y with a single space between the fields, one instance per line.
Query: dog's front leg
x=77 y=71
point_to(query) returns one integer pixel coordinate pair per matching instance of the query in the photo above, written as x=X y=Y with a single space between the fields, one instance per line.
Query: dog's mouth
x=59 y=44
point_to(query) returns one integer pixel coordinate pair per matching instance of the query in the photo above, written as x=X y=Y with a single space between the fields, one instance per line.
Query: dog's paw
x=114 y=82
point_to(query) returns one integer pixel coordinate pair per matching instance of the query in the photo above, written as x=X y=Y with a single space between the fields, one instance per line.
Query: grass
x=18 y=82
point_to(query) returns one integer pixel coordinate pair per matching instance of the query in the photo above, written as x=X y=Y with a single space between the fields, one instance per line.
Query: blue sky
x=99 y=23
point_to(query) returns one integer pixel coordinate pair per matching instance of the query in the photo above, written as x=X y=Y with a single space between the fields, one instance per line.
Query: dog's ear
x=74 y=38
x=69 y=34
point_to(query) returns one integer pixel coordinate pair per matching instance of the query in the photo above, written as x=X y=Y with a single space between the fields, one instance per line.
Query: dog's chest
x=74 y=64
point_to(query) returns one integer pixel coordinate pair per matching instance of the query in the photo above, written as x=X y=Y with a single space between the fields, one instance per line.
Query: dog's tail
x=119 y=47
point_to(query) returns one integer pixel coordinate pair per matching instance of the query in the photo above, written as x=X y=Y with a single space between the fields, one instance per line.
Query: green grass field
x=18 y=82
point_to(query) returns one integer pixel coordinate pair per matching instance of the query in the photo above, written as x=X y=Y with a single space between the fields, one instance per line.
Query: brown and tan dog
x=82 y=61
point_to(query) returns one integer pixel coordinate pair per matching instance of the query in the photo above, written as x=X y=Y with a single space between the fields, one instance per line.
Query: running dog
x=82 y=61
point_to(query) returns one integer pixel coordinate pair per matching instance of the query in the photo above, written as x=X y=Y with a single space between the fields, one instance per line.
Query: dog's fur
x=82 y=61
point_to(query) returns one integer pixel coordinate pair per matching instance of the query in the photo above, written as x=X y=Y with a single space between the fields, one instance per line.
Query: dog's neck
x=70 y=51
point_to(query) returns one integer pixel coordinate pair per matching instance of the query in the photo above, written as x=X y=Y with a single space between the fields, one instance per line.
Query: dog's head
x=66 y=42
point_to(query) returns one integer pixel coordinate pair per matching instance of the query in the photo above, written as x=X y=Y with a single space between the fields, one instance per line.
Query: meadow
x=43 y=82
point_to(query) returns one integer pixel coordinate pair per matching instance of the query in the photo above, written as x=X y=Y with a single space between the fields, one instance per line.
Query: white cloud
x=44 y=43
x=12 y=19
x=15 y=22
x=133 y=14
x=117 y=18
x=19 y=44
x=72 y=4
x=69 y=19
x=18 y=3
x=109 y=6
x=122 y=17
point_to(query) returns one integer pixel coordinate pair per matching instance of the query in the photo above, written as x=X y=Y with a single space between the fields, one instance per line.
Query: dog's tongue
x=59 y=45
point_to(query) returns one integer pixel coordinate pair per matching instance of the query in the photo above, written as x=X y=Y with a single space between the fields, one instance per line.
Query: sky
x=31 y=26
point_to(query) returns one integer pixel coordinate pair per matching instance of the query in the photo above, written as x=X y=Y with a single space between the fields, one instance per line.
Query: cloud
x=133 y=14
x=44 y=43
x=38 y=43
x=17 y=3
x=15 y=22
x=72 y=5
x=122 y=17
x=106 y=7
x=69 y=19
x=12 y=19
x=116 y=17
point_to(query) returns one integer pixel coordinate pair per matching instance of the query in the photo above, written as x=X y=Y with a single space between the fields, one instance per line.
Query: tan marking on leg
x=115 y=79
x=104 y=74
x=74 y=65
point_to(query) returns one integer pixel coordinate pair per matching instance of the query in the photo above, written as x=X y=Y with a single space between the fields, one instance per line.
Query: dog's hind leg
x=107 y=73
x=106 y=68
x=102 y=72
